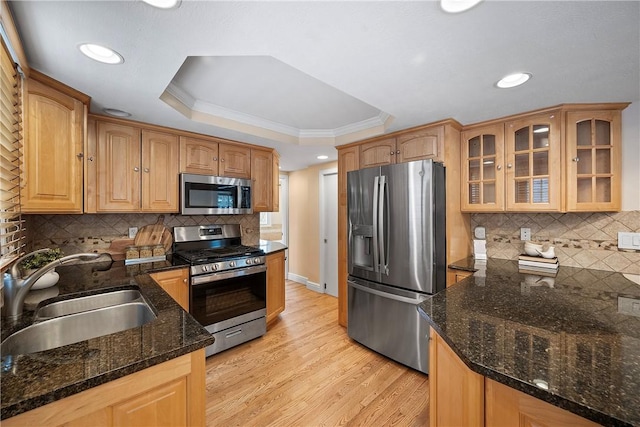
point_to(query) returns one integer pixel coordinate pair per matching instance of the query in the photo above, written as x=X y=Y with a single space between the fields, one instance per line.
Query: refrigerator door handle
x=383 y=229
x=376 y=201
x=385 y=294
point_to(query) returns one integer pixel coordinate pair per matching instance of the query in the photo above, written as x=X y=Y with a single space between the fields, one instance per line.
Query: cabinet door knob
x=392 y=153
x=576 y=159
x=398 y=152
x=215 y=159
x=499 y=167
x=222 y=160
x=136 y=169
x=146 y=170
x=509 y=165
x=80 y=155
x=90 y=158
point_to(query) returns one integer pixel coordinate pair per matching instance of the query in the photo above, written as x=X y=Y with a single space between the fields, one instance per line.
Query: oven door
x=214 y=195
x=218 y=298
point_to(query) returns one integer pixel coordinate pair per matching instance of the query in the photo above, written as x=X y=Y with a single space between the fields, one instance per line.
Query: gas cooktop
x=206 y=255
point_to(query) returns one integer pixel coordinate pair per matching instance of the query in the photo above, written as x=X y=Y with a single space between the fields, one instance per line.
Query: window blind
x=11 y=223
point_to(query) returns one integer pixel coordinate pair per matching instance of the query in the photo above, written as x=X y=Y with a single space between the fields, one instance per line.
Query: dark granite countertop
x=270 y=247
x=566 y=331
x=466 y=264
x=33 y=380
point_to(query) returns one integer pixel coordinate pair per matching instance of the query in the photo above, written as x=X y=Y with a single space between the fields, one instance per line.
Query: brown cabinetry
x=564 y=159
x=213 y=157
x=426 y=143
x=262 y=172
x=593 y=160
x=513 y=166
x=235 y=161
x=169 y=394
x=53 y=151
x=136 y=170
x=175 y=283
x=458 y=396
x=275 y=285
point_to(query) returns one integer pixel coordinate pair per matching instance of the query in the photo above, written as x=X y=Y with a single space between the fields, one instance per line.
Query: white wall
x=631 y=157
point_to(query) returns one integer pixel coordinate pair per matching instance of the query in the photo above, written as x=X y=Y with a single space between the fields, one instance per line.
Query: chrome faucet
x=16 y=291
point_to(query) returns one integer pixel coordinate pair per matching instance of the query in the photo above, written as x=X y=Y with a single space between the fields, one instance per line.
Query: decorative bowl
x=532 y=249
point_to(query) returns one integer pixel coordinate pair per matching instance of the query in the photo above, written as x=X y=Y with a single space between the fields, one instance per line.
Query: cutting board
x=153 y=234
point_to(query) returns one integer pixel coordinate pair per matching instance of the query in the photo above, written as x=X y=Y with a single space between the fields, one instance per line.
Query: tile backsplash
x=588 y=240
x=89 y=232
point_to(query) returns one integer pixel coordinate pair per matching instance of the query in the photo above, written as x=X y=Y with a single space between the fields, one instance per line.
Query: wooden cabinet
x=135 y=170
x=458 y=396
x=52 y=180
x=454 y=276
x=169 y=394
x=175 y=283
x=235 y=161
x=594 y=160
x=275 y=285
x=348 y=160
x=425 y=143
x=513 y=166
x=198 y=156
x=275 y=182
x=564 y=159
x=456 y=393
x=506 y=407
x=262 y=190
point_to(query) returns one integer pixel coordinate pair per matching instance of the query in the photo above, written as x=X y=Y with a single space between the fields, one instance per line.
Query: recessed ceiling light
x=116 y=112
x=101 y=53
x=323 y=157
x=457 y=6
x=163 y=4
x=513 y=80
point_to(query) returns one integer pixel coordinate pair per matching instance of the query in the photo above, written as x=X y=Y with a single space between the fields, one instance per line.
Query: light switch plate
x=628 y=240
x=629 y=306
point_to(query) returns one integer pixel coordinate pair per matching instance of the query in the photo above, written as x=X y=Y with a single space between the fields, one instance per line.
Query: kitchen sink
x=82 y=324
x=91 y=302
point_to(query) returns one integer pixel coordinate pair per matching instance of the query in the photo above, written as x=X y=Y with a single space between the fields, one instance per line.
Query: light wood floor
x=307 y=372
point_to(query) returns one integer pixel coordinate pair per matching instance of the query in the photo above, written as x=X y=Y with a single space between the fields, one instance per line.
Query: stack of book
x=538 y=265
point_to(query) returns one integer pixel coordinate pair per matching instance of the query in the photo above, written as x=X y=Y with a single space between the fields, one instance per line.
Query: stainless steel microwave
x=214 y=195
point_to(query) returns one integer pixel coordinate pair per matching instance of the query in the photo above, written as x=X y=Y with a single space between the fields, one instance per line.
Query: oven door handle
x=214 y=277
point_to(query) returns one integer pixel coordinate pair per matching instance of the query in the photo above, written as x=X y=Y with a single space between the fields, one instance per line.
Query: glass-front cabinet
x=533 y=173
x=593 y=160
x=483 y=169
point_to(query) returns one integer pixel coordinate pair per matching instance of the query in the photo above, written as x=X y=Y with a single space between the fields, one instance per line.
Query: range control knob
x=256 y=260
x=232 y=263
x=248 y=261
x=215 y=267
x=205 y=268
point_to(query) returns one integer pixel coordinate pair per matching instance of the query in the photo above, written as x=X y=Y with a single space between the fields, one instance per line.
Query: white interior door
x=284 y=211
x=329 y=231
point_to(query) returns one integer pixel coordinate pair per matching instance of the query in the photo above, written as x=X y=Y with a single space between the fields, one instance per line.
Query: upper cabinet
x=235 y=161
x=425 y=143
x=135 y=170
x=262 y=180
x=593 y=160
x=561 y=160
x=210 y=157
x=53 y=150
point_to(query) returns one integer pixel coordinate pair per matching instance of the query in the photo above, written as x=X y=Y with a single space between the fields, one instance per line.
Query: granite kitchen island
x=572 y=341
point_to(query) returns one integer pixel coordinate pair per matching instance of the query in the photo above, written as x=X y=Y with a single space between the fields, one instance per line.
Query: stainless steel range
x=228 y=283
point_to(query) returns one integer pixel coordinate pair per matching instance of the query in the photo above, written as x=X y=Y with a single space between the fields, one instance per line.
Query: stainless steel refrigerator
x=397 y=256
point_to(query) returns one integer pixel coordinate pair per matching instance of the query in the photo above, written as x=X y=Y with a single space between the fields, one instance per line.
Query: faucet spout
x=16 y=291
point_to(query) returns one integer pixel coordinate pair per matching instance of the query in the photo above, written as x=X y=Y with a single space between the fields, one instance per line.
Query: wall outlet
x=525 y=234
x=132 y=232
x=629 y=306
x=628 y=240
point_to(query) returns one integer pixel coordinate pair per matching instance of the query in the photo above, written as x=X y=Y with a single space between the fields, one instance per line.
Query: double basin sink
x=74 y=320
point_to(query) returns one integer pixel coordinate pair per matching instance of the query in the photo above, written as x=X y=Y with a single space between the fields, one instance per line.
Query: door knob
x=146 y=170
x=136 y=169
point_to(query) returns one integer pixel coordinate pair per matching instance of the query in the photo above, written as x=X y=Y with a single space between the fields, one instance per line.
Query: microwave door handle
x=376 y=190
x=383 y=201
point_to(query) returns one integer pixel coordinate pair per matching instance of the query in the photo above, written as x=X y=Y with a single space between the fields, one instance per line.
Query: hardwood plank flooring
x=307 y=372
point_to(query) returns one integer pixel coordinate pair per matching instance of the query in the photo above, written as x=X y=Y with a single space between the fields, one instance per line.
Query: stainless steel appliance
x=214 y=195
x=228 y=283
x=397 y=256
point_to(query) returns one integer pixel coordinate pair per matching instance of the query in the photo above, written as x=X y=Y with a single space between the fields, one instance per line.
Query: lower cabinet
x=175 y=283
x=169 y=394
x=454 y=276
x=460 y=397
x=275 y=285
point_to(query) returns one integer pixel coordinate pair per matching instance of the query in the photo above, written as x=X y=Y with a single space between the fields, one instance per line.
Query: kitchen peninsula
x=127 y=376
x=515 y=347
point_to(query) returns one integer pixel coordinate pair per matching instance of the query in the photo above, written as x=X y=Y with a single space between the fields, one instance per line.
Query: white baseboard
x=297 y=278
x=315 y=287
